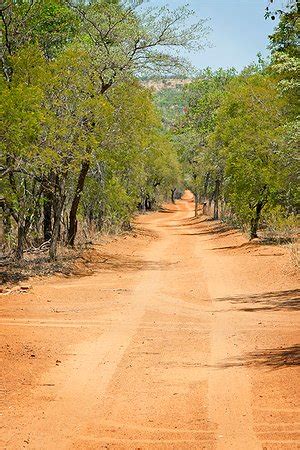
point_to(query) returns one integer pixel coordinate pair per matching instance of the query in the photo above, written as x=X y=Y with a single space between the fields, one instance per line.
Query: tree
x=285 y=68
x=285 y=37
x=249 y=123
x=21 y=129
x=48 y=23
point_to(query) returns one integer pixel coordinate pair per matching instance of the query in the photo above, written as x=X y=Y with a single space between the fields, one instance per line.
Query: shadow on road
x=129 y=263
x=267 y=301
x=246 y=245
x=276 y=358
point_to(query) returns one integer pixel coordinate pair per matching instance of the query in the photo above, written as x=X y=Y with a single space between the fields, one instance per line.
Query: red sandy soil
x=184 y=338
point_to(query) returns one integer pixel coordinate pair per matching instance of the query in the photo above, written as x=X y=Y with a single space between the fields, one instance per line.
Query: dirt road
x=184 y=338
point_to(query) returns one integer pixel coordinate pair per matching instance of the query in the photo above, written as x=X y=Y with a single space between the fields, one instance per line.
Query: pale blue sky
x=239 y=30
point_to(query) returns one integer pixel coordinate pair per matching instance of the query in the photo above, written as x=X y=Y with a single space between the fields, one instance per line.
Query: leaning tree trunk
x=216 y=200
x=72 y=230
x=255 y=220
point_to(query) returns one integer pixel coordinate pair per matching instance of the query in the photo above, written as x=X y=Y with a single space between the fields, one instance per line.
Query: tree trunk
x=173 y=195
x=7 y=227
x=206 y=182
x=58 y=207
x=23 y=227
x=142 y=205
x=100 y=217
x=255 y=220
x=47 y=220
x=21 y=240
x=148 y=203
x=216 y=200
x=72 y=230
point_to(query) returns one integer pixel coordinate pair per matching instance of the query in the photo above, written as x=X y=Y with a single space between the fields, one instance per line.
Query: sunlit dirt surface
x=184 y=337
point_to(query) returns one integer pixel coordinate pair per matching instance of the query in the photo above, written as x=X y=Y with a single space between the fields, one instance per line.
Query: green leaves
x=73 y=110
x=248 y=130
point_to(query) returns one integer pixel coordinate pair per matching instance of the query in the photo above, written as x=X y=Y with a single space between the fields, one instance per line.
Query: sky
x=239 y=31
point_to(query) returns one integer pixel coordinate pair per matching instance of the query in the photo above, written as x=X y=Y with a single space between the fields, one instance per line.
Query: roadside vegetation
x=85 y=145
x=82 y=143
x=239 y=138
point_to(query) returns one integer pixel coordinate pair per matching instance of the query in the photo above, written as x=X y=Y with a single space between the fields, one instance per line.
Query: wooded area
x=239 y=139
x=83 y=141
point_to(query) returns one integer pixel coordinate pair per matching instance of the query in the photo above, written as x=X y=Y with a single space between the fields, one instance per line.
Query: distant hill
x=170 y=98
x=166 y=83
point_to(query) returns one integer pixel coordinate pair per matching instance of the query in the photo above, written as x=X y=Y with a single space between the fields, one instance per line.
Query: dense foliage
x=239 y=139
x=82 y=142
x=84 y=146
